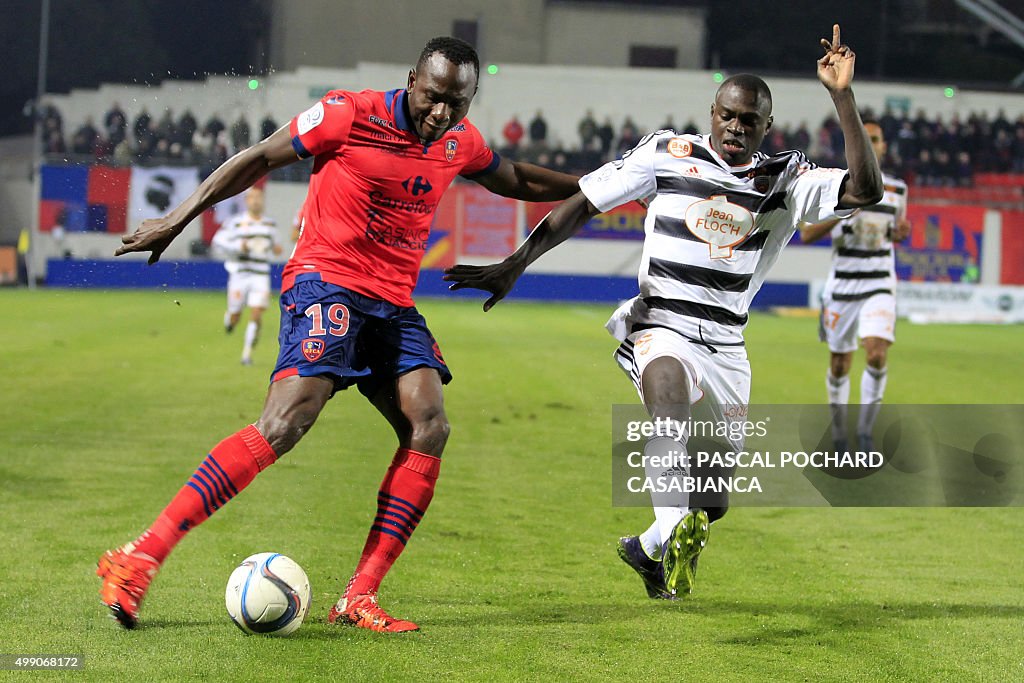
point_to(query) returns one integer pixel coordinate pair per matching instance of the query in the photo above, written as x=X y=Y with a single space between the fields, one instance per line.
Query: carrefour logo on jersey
x=720 y=223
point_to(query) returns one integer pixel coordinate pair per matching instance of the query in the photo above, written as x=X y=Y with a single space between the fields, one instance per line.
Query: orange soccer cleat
x=126 y=576
x=362 y=611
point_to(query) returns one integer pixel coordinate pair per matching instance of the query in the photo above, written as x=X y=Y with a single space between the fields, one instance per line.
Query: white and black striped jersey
x=259 y=235
x=863 y=263
x=712 y=230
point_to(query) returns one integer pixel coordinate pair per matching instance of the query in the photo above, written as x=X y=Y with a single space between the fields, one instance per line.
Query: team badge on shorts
x=312 y=349
x=449 y=149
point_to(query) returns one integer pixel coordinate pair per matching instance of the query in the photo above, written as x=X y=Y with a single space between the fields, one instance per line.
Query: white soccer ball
x=268 y=593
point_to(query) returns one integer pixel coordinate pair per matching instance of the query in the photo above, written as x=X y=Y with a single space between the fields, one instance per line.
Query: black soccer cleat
x=632 y=553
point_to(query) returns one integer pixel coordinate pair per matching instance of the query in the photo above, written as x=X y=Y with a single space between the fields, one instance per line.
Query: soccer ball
x=268 y=593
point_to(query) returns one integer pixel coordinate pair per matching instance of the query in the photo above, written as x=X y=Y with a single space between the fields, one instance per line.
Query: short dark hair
x=868 y=119
x=456 y=51
x=749 y=82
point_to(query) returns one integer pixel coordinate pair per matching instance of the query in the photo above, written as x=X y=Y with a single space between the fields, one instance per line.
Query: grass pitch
x=111 y=399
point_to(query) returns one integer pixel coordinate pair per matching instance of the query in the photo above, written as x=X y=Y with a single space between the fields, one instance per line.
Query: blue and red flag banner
x=84 y=198
x=945 y=244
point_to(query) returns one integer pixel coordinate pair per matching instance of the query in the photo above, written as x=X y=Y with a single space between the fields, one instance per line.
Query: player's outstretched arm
x=234 y=175
x=499 y=278
x=529 y=182
x=864 y=186
x=812 y=232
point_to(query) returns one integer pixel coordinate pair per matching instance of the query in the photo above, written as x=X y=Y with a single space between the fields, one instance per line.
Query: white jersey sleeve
x=623 y=180
x=815 y=195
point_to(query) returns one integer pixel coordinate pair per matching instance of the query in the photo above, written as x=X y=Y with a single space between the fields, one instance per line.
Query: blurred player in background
x=247 y=241
x=382 y=162
x=720 y=216
x=859 y=300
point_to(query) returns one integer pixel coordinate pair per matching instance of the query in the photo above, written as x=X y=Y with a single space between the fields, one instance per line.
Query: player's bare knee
x=877 y=358
x=666 y=384
x=430 y=432
x=283 y=433
x=840 y=364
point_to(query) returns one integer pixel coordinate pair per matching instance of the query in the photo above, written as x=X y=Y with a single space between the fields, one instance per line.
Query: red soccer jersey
x=374 y=190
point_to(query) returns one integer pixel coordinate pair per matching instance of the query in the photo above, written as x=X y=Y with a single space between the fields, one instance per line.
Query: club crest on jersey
x=312 y=349
x=721 y=224
x=679 y=148
x=449 y=149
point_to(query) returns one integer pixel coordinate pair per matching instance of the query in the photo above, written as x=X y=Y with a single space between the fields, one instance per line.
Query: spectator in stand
x=668 y=125
x=629 y=136
x=161 y=150
x=538 y=131
x=53 y=131
x=907 y=147
x=165 y=128
x=775 y=141
x=51 y=118
x=963 y=169
x=587 y=130
x=801 y=138
x=124 y=155
x=889 y=123
x=213 y=128
x=925 y=172
x=822 y=151
x=116 y=124
x=141 y=125
x=267 y=127
x=1001 y=123
x=240 y=133
x=84 y=138
x=513 y=133
x=186 y=130
x=605 y=135
x=55 y=143
x=1017 y=149
x=1002 y=148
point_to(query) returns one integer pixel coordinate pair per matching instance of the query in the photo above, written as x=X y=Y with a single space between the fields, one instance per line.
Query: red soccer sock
x=404 y=496
x=229 y=468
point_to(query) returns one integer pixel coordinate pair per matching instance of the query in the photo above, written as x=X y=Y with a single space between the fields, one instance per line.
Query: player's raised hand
x=835 y=68
x=497 y=278
x=154 y=235
x=902 y=230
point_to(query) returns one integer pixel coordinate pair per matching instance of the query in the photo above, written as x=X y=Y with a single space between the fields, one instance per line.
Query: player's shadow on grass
x=179 y=624
x=844 y=617
x=848 y=616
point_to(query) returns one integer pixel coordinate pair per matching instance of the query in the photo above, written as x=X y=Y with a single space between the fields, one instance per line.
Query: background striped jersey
x=712 y=230
x=863 y=263
x=260 y=236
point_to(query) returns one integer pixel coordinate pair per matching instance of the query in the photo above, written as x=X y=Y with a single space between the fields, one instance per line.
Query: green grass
x=110 y=400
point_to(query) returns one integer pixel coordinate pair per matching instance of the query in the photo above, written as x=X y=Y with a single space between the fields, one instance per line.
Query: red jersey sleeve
x=482 y=159
x=325 y=126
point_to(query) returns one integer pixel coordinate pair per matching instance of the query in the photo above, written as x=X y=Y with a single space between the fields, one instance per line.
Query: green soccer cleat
x=679 y=557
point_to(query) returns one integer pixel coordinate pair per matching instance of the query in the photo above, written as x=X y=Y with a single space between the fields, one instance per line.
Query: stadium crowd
x=147 y=139
x=926 y=151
